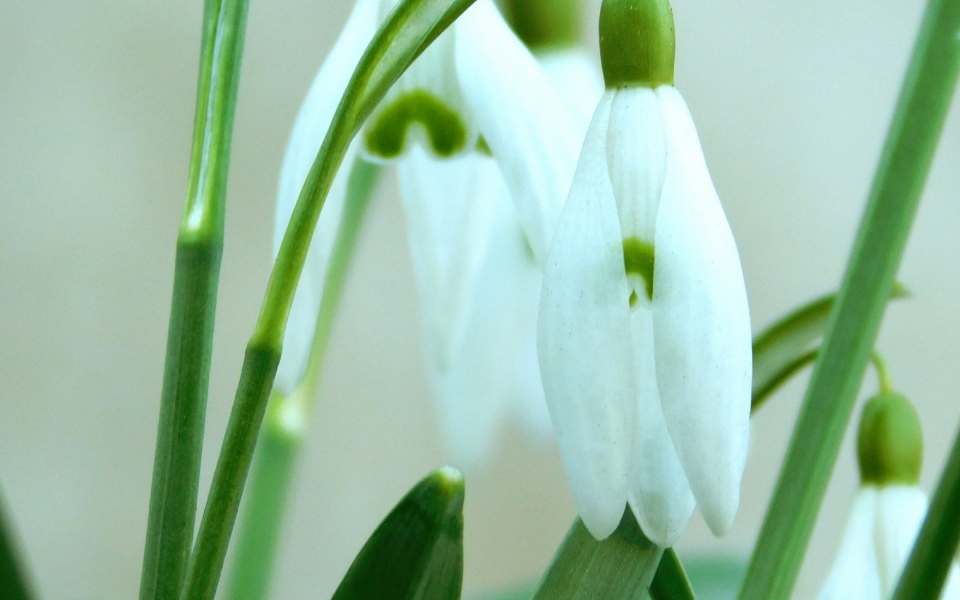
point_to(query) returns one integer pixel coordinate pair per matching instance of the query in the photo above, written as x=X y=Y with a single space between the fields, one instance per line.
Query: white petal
x=854 y=573
x=522 y=118
x=637 y=156
x=659 y=493
x=900 y=513
x=576 y=76
x=449 y=206
x=584 y=340
x=495 y=372
x=308 y=133
x=701 y=325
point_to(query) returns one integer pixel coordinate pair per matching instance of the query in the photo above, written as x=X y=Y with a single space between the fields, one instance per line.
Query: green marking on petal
x=890 y=441
x=446 y=131
x=483 y=147
x=638 y=260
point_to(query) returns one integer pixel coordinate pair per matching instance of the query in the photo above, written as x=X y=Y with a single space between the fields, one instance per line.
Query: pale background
x=792 y=100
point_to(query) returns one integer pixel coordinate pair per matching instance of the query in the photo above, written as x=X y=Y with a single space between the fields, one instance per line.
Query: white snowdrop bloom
x=475 y=103
x=889 y=508
x=644 y=332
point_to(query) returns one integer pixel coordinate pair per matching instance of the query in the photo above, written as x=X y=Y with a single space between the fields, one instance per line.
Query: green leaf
x=13 y=580
x=855 y=320
x=929 y=563
x=417 y=551
x=183 y=401
x=408 y=30
x=620 y=567
x=670 y=581
x=786 y=347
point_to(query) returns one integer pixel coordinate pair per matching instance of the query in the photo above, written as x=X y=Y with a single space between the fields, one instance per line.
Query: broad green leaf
x=417 y=551
x=786 y=347
x=670 y=581
x=854 y=322
x=929 y=563
x=618 y=568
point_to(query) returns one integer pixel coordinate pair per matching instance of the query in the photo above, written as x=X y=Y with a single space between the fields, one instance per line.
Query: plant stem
x=929 y=563
x=13 y=579
x=855 y=321
x=282 y=435
x=408 y=30
x=176 y=470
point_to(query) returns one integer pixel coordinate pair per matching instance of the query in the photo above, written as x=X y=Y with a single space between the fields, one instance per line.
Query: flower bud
x=890 y=441
x=637 y=43
x=545 y=24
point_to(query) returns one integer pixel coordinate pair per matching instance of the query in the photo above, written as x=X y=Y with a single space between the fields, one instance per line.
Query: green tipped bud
x=545 y=24
x=890 y=441
x=637 y=43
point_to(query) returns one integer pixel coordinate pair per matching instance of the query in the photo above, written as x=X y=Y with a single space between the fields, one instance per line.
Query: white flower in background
x=644 y=334
x=483 y=146
x=889 y=508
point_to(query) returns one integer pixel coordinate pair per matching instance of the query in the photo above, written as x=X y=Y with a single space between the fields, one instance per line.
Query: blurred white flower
x=485 y=151
x=644 y=334
x=889 y=508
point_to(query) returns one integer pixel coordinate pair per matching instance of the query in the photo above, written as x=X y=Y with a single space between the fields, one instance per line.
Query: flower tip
x=719 y=513
x=600 y=525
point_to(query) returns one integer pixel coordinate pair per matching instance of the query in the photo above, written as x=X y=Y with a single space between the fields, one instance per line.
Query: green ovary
x=638 y=258
x=446 y=131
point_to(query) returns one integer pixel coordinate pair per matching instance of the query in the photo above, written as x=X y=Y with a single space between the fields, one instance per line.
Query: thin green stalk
x=280 y=443
x=620 y=567
x=176 y=469
x=13 y=579
x=929 y=563
x=855 y=321
x=408 y=30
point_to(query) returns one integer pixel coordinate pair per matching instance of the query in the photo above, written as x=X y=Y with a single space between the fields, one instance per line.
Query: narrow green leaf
x=855 y=320
x=786 y=347
x=929 y=563
x=278 y=447
x=408 y=30
x=13 y=580
x=176 y=468
x=620 y=567
x=417 y=551
x=670 y=581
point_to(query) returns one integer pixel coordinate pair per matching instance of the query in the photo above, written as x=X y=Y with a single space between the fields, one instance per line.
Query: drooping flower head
x=644 y=334
x=889 y=507
x=484 y=148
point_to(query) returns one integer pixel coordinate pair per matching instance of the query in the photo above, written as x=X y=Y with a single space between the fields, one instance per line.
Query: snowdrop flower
x=474 y=119
x=492 y=374
x=644 y=333
x=889 y=508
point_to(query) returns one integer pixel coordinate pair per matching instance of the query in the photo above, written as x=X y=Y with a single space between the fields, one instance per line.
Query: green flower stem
x=670 y=581
x=883 y=374
x=13 y=579
x=620 y=567
x=279 y=444
x=176 y=470
x=408 y=30
x=855 y=321
x=929 y=563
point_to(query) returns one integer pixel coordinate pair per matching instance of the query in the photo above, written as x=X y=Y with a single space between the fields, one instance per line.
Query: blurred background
x=792 y=100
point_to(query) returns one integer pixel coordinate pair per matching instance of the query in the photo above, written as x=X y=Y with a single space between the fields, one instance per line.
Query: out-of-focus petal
x=495 y=372
x=449 y=206
x=576 y=76
x=854 y=573
x=637 y=159
x=951 y=589
x=521 y=117
x=659 y=493
x=701 y=325
x=308 y=132
x=900 y=513
x=584 y=341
